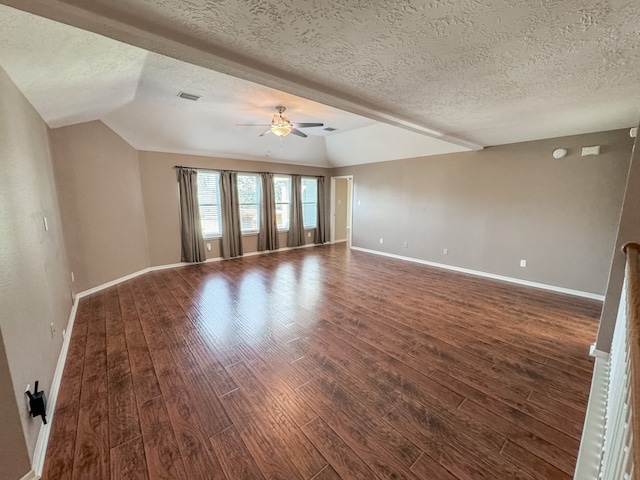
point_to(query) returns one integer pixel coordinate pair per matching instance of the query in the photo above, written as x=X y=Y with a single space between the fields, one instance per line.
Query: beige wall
x=160 y=192
x=14 y=457
x=34 y=285
x=628 y=231
x=494 y=207
x=341 y=205
x=101 y=203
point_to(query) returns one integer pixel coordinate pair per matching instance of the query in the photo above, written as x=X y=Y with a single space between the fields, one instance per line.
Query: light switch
x=595 y=150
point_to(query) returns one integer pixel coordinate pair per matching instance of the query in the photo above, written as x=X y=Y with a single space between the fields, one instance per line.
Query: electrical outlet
x=405 y=244
x=209 y=246
x=358 y=202
x=308 y=234
x=339 y=202
x=53 y=330
x=523 y=263
x=445 y=251
x=73 y=278
x=381 y=241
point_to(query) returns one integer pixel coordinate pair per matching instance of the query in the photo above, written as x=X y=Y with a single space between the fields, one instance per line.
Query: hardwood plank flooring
x=92 y=449
x=319 y=364
x=128 y=461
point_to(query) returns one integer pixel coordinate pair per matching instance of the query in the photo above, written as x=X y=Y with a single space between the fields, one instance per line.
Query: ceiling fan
x=282 y=126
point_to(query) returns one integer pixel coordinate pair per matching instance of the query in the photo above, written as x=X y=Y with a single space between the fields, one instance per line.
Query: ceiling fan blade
x=298 y=133
x=253 y=124
x=306 y=125
x=263 y=134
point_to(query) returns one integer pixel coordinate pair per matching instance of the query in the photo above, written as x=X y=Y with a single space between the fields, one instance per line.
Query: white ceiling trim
x=206 y=55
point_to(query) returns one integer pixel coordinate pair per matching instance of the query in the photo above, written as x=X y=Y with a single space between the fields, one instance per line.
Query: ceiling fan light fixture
x=281 y=126
x=281 y=130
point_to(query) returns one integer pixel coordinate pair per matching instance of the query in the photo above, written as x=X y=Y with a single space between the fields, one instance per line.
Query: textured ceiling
x=157 y=119
x=492 y=72
x=71 y=76
x=68 y=76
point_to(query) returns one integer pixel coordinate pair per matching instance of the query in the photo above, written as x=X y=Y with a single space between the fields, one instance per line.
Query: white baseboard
x=40 y=451
x=543 y=286
x=283 y=249
x=30 y=476
x=84 y=293
x=594 y=352
x=340 y=241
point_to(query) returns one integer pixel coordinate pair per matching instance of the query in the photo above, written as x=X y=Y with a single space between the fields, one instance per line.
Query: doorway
x=341 y=208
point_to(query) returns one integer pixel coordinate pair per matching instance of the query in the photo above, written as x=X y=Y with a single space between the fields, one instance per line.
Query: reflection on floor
x=322 y=363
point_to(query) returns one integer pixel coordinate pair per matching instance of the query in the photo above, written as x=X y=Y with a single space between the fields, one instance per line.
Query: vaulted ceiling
x=396 y=78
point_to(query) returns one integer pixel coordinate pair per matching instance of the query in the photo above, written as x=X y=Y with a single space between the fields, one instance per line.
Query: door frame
x=332 y=229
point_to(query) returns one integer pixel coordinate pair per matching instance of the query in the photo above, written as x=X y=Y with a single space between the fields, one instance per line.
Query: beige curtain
x=231 y=241
x=268 y=235
x=190 y=227
x=296 y=224
x=320 y=236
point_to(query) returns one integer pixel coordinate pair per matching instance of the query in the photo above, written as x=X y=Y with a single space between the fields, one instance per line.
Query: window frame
x=288 y=203
x=216 y=174
x=302 y=203
x=258 y=184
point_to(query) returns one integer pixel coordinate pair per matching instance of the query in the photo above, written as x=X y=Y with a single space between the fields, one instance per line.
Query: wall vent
x=330 y=129
x=189 y=96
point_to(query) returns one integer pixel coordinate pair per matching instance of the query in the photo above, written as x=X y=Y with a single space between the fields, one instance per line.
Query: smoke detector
x=559 y=153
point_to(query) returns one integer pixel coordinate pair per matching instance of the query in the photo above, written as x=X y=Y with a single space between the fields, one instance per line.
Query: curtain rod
x=242 y=171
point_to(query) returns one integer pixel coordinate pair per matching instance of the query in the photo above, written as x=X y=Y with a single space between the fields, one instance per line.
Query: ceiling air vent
x=330 y=129
x=189 y=96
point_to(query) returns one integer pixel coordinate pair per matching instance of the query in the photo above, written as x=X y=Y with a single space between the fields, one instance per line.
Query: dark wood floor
x=318 y=364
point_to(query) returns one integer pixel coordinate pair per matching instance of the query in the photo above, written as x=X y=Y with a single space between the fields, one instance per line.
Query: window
x=209 y=201
x=309 y=202
x=282 y=186
x=249 y=196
